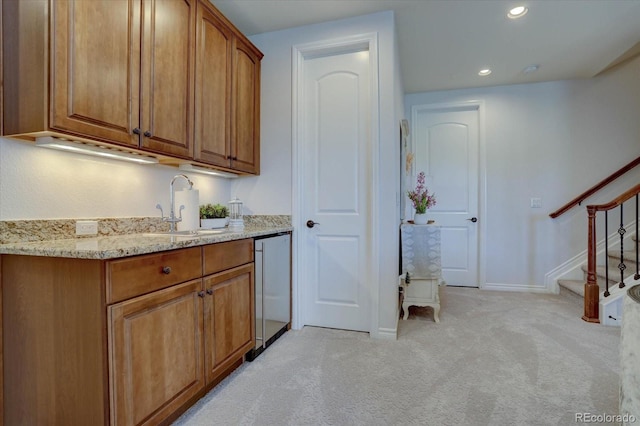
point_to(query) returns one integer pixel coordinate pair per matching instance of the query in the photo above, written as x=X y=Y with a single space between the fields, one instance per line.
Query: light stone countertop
x=111 y=247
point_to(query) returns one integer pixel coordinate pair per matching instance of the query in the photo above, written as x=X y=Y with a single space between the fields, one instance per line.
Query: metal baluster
x=621 y=266
x=637 y=275
x=606 y=253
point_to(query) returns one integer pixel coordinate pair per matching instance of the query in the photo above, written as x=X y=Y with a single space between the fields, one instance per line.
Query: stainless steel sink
x=187 y=234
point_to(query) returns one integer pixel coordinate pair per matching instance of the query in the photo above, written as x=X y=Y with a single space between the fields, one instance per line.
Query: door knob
x=473 y=219
x=311 y=224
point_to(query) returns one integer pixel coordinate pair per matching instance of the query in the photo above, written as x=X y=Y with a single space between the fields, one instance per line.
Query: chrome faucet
x=172 y=219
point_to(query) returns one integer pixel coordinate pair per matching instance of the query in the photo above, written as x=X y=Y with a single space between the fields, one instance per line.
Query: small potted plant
x=422 y=200
x=213 y=216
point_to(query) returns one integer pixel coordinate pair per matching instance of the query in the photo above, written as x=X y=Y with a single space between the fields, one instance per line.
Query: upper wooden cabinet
x=154 y=75
x=167 y=76
x=1 y=85
x=213 y=99
x=245 y=149
x=95 y=71
x=120 y=72
x=227 y=110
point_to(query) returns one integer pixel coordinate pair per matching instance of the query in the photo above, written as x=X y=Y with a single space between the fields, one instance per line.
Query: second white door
x=446 y=146
x=337 y=191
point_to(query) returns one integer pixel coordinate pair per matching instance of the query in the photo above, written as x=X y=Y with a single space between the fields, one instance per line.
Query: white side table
x=421 y=261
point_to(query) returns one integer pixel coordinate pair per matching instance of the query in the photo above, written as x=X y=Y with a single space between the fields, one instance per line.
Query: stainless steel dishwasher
x=272 y=290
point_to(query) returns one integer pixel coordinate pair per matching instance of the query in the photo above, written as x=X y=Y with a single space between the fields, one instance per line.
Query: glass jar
x=235 y=214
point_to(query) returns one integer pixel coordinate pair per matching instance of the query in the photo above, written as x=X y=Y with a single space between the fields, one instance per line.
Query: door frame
x=300 y=53
x=471 y=105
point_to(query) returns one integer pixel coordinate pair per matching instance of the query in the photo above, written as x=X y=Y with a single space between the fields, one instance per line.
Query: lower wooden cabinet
x=76 y=353
x=54 y=352
x=156 y=342
x=161 y=343
x=229 y=307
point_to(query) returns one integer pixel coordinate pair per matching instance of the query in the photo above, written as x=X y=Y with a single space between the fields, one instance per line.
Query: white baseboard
x=516 y=288
x=387 y=334
x=571 y=269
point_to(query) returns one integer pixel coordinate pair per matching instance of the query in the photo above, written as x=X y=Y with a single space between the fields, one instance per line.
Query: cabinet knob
x=147 y=134
x=166 y=270
x=209 y=291
x=201 y=293
x=136 y=131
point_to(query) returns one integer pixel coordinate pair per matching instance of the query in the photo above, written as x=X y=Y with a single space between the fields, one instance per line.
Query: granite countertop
x=110 y=247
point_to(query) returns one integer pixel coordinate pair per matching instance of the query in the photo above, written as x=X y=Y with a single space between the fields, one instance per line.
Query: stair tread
x=628 y=255
x=574 y=286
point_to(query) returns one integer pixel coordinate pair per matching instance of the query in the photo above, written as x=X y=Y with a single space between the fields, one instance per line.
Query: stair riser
x=629 y=258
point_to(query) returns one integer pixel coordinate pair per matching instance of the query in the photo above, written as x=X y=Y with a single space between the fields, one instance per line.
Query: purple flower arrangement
x=420 y=197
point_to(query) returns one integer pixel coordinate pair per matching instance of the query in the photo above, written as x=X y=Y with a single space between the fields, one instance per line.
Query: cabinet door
x=155 y=347
x=245 y=145
x=229 y=313
x=1 y=126
x=95 y=69
x=167 y=76
x=213 y=97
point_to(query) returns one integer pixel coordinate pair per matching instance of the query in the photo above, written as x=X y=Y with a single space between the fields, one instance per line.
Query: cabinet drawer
x=221 y=256
x=130 y=277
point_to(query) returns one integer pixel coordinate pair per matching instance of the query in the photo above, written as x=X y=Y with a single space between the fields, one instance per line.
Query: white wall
x=38 y=183
x=553 y=141
x=271 y=191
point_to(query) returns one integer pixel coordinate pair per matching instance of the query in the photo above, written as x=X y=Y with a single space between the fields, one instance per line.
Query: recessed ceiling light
x=517 y=12
x=530 y=69
x=484 y=72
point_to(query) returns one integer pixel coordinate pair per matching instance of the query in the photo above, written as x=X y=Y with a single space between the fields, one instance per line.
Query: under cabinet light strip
x=95 y=150
x=205 y=171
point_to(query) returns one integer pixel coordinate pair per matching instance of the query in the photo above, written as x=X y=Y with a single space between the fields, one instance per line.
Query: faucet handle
x=158 y=206
x=179 y=218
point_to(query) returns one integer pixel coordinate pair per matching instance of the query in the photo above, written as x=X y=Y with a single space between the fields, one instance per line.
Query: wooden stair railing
x=591 y=289
x=580 y=198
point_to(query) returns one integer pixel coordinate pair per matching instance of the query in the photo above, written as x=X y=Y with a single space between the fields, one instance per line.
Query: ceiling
x=444 y=43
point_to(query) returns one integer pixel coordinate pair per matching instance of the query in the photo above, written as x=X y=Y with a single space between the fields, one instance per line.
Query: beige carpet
x=495 y=358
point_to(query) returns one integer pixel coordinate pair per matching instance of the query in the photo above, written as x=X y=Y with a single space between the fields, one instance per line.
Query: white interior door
x=446 y=147
x=336 y=191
